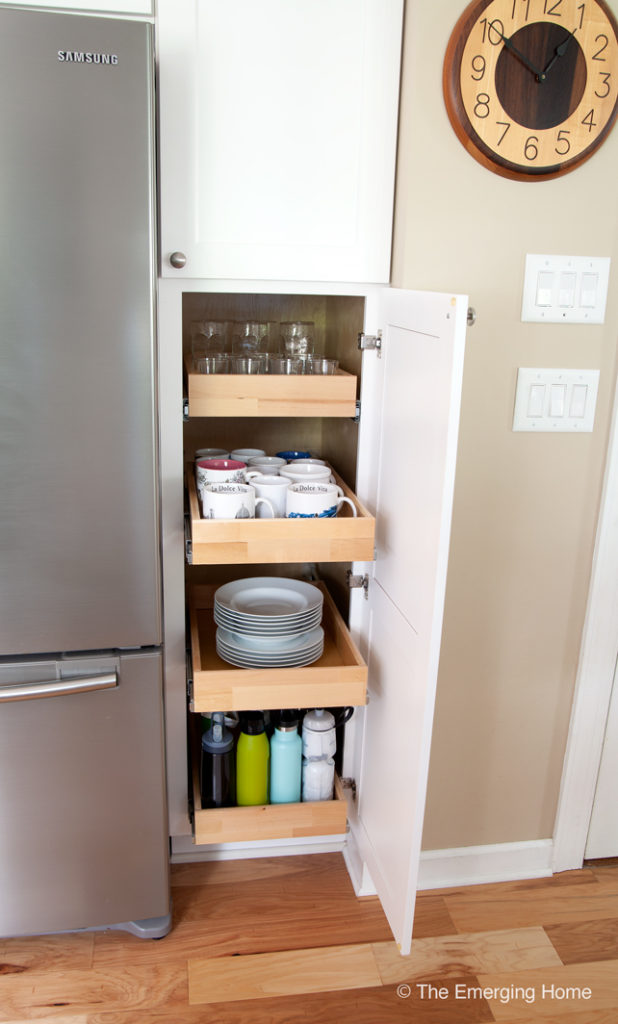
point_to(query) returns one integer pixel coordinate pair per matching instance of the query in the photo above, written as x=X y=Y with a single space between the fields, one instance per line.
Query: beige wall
x=525 y=505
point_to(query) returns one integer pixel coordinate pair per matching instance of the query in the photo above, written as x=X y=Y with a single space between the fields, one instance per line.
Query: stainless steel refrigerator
x=83 y=830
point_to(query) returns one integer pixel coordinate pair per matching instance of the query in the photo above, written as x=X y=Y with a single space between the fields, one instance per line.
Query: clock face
x=531 y=86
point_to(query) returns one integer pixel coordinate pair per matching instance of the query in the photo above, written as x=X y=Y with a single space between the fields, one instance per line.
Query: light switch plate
x=565 y=289
x=555 y=400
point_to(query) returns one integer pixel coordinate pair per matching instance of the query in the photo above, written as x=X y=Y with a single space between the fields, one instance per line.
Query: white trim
x=594 y=682
x=474 y=865
x=184 y=850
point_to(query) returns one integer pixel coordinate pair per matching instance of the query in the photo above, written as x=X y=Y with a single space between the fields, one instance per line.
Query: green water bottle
x=252 y=758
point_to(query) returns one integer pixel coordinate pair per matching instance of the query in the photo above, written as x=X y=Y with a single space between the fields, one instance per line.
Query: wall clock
x=531 y=86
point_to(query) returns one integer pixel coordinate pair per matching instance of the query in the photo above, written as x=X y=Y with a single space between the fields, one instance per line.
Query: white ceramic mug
x=272 y=487
x=299 y=471
x=218 y=471
x=231 y=501
x=211 y=453
x=315 y=501
x=244 y=454
x=266 y=463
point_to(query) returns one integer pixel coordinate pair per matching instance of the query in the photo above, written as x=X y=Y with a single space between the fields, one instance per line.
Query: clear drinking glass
x=249 y=364
x=297 y=338
x=283 y=364
x=249 y=336
x=209 y=336
x=216 y=362
x=318 y=365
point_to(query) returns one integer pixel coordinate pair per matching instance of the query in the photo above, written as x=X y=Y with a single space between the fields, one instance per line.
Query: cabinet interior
x=337 y=322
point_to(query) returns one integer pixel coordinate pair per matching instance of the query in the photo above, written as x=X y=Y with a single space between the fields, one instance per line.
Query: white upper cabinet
x=98 y=7
x=278 y=130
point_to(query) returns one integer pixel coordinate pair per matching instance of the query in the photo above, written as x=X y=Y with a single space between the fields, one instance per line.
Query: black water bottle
x=218 y=765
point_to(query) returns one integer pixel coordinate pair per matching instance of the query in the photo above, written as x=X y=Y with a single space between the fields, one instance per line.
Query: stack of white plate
x=269 y=622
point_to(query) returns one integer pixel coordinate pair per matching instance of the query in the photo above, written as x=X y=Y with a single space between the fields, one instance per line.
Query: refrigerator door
x=78 y=503
x=84 y=828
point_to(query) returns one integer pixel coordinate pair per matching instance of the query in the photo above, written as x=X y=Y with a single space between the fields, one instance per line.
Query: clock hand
x=560 y=51
x=540 y=75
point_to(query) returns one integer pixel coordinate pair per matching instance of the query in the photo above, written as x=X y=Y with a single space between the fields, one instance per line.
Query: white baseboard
x=184 y=850
x=473 y=865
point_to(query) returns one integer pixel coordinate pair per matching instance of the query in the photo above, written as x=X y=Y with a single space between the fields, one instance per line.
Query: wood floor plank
x=585 y=941
x=563 y=1017
x=431 y=917
x=365 y=1006
x=474 y=912
x=458 y=955
x=548 y=991
x=52 y=994
x=257 y=976
x=46 y=952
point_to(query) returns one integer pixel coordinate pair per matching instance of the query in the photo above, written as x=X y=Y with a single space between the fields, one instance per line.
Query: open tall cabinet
x=387 y=423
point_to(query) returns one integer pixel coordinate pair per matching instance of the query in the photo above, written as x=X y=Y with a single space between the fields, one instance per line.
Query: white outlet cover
x=565 y=289
x=548 y=400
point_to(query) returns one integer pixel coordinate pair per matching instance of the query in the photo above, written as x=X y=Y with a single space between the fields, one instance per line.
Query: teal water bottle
x=252 y=757
x=286 y=749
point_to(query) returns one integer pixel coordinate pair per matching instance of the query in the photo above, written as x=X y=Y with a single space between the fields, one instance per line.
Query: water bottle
x=252 y=761
x=285 y=760
x=217 y=766
x=319 y=744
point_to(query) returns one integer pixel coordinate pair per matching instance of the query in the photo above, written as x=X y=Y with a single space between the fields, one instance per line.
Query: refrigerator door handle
x=58 y=687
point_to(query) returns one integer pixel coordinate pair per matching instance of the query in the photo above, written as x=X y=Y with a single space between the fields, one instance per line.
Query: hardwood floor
x=285 y=941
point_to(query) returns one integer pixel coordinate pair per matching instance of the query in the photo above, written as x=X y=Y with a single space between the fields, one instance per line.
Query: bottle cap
x=217 y=739
x=287 y=720
x=319 y=720
x=252 y=723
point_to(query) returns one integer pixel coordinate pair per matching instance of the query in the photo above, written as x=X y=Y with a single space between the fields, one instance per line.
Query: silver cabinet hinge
x=188 y=540
x=351 y=785
x=185 y=409
x=357 y=414
x=367 y=342
x=356 y=582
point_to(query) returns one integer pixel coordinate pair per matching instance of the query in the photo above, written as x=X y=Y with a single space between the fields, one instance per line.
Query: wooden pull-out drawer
x=344 y=538
x=337 y=679
x=240 y=394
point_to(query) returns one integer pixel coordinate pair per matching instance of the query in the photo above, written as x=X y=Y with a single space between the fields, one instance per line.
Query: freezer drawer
x=82 y=793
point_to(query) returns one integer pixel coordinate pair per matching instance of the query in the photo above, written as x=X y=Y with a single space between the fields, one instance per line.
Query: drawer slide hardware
x=356 y=582
x=370 y=342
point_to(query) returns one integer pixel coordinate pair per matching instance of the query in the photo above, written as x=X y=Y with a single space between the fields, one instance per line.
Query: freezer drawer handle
x=58 y=687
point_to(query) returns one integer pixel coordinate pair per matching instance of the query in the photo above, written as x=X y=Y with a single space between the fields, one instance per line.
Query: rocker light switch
x=565 y=289
x=555 y=400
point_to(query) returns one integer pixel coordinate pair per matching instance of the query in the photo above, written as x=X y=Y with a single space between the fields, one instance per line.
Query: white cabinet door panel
x=407 y=452
x=278 y=137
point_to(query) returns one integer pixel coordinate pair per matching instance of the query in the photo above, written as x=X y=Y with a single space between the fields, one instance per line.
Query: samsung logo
x=77 y=57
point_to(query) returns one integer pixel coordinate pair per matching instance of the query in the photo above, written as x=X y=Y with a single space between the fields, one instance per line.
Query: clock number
x=605 y=75
x=497 y=27
x=562 y=137
x=478 y=67
x=582 y=10
x=481 y=107
x=597 y=55
x=527 y=6
x=552 y=8
x=589 y=120
x=503 y=124
x=531 y=150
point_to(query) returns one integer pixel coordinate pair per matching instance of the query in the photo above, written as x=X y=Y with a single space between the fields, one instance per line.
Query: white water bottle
x=319 y=746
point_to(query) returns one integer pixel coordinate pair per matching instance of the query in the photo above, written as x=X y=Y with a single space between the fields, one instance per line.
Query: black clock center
x=547 y=103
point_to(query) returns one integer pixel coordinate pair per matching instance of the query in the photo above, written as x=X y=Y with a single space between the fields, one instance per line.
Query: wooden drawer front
x=270 y=821
x=345 y=538
x=337 y=679
x=239 y=394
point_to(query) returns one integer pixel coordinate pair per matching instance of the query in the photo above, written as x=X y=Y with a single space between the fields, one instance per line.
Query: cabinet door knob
x=178 y=260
